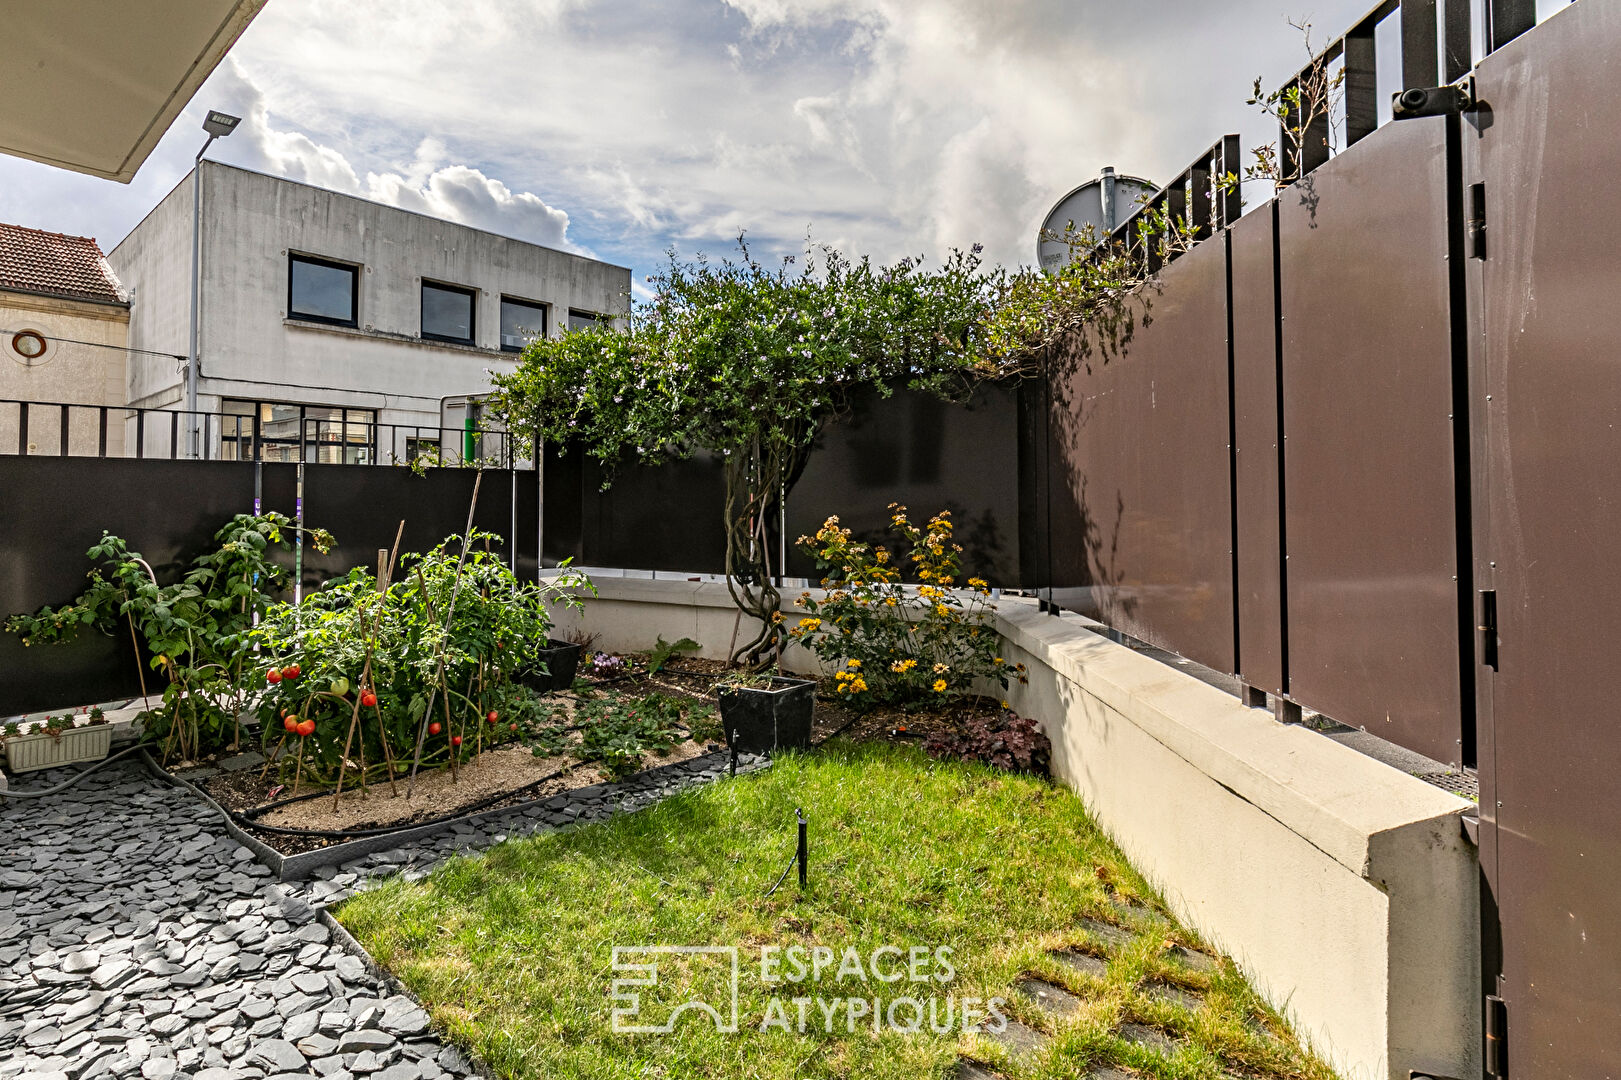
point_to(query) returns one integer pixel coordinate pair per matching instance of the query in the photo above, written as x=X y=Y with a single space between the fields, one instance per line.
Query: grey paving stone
x=1051 y=999
x=1174 y=995
x=1194 y=961
x=1112 y=938
x=1081 y=963
x=1020 y=1039
x=1151 y=1037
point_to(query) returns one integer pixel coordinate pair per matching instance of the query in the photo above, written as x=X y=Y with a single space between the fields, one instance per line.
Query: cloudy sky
x=621 y=128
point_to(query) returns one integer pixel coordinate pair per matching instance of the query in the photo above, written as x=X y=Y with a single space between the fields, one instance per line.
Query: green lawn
x=512 y=951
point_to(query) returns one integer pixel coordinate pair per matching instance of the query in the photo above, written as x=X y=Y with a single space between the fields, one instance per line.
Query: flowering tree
x=750 y=362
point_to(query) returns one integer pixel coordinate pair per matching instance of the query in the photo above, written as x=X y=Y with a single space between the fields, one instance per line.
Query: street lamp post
x=216 y=124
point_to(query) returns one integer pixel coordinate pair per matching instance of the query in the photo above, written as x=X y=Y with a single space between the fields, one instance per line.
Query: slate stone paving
x=1060 y=1003
x=138 y=939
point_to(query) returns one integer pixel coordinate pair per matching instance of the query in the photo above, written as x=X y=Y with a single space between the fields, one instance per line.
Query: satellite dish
x=1105 y=204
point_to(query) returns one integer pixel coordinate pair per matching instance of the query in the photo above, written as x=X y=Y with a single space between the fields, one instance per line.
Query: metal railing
x=1198 y=204
x=1437 y=46
x=65 y=429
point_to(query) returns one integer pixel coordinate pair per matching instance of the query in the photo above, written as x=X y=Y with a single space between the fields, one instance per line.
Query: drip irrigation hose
x=14 y=793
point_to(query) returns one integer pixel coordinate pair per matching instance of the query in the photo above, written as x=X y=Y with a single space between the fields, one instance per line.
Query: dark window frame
x=331 y=264
x=595 y=317
x=534 y=305
x=472 y=312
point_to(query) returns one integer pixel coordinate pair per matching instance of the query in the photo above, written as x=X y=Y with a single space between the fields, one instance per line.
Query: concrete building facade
x=64 y=322
x=346 y=320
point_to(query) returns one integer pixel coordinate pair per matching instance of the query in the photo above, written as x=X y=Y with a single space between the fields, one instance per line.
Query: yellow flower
x=977 y=583
x=941 y=669
x=1005 y=705
x=855 y=663
x=809 y=624
x=940 y=609
x=858 y=686
x=939 y=686
x=843 y=687
x=890 y=601
x=998 y=660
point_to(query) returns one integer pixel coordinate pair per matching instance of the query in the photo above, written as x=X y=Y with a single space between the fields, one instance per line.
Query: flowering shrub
x=1005 y=741
x=892 y=643
x=749 y=362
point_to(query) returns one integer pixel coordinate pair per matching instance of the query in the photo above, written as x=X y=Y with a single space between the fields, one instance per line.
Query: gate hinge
x=1488 y=628
x=1420 y=101
x=1475 y=227
x=1496 y=1037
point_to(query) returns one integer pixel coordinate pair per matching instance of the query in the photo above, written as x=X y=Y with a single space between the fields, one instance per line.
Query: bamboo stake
x=422 y=731
x=140 y=672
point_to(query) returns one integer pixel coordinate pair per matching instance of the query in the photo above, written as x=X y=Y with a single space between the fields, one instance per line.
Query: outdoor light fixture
x=217 y=124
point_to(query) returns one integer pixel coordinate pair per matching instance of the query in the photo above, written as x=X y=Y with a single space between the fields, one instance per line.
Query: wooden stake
x=422 y=731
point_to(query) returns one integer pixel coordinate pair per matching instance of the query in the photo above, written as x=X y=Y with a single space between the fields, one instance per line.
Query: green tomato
x=340 y=686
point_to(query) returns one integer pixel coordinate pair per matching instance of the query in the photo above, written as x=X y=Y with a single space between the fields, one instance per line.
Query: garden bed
x=502 y=776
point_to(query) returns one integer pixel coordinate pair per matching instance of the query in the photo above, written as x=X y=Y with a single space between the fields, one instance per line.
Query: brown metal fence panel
x=1143 y=436
x=929 y=455
x=1255 y=428
x=1549 y=393
x=1370 y=521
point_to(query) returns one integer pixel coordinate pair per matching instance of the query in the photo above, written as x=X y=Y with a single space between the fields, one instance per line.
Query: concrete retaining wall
x=1345 y=889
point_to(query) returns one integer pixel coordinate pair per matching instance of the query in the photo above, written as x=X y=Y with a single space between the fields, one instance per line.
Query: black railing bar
x=65 y=423
x=101 y=435
x=22 y=429
x=174 y=435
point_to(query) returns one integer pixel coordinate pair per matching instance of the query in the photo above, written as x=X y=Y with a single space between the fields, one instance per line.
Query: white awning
x=92 y=86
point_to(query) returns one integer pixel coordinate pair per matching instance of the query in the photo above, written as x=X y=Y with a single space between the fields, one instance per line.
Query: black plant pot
x=767 y=719
x=561 y=660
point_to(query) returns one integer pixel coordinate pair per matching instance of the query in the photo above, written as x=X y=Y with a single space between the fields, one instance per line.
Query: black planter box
x=562 y=660
x=778 y=718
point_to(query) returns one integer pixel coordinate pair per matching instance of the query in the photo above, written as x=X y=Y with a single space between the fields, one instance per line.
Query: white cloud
x=888 y=127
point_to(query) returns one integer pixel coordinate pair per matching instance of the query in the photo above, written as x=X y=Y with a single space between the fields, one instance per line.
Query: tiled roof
x=35 y=261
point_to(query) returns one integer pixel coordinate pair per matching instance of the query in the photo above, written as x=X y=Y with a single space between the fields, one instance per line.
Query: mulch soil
x=247 y=790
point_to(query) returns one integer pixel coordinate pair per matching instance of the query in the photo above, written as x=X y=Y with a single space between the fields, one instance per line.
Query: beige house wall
x=83 y=364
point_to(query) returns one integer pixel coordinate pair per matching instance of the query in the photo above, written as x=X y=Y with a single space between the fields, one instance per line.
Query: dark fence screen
x=1141 y=438
x=169 y=511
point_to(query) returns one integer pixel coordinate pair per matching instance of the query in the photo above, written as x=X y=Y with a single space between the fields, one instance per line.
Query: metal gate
x=1540 y=152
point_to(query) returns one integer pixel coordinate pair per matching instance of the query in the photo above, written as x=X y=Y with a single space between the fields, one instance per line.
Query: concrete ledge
x=1345 y=889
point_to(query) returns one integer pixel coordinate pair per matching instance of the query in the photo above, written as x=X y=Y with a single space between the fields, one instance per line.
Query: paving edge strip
x=302 y=865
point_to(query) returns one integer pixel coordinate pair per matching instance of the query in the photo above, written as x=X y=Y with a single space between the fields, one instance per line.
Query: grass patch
x=512 y=951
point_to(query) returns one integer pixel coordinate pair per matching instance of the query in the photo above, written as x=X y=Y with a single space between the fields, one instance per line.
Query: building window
x=274 y=431
x=522 y=321
x=447 y=313
x=322 y=291
x=583 y=320
x=421 y=447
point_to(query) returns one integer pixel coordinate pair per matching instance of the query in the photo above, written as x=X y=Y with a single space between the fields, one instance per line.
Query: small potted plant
x=760 y=713
x=555 y=665
x=57 y=740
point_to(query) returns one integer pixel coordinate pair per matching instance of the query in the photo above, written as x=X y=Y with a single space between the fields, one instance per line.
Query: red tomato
x=306 y=727
x=512 y=727
x=290 y=671
x=272 y=676
x=290 y=723
x=494 y=716
x=433 y=728
x=368 y=699
x=455 y=740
